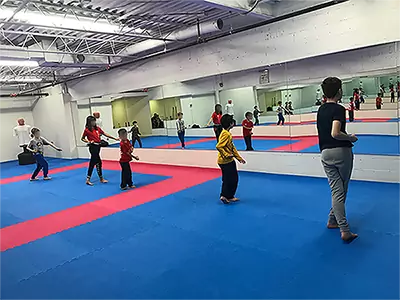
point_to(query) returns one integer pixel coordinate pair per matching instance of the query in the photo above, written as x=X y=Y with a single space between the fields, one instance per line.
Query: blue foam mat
x=273 y=244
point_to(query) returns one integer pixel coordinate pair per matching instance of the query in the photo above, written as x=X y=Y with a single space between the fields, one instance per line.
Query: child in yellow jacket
x=227 y=154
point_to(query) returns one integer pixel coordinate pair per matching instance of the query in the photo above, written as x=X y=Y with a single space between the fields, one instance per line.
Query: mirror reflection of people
x=391 y=93
x=229 y=108
x=92 y=136
x=356 y=98
x=136 y=134
x=99 y=122
x=180 y=127
x=336 y=154
x=361 y=92
x=248 y=126
x=280 y=110
x=227 y=154
x=156 y=121
x=256 y=113
x=382 y=89
x=351 y=109
x=378 y=101
x=216 y=119
x=36 y=146
x=398 y=90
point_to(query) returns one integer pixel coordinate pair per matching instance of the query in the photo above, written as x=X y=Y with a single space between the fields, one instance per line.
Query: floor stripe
x=303 y=143
x=182 y=178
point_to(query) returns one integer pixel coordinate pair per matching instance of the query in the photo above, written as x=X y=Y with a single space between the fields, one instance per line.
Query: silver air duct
x=180 y=35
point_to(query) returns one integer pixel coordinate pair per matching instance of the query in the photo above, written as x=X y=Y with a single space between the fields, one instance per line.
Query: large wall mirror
x=283 y=113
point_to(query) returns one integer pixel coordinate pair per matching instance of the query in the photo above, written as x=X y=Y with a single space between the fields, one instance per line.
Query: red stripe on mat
x=53 y=171
x=183 y=178
x=303 y=143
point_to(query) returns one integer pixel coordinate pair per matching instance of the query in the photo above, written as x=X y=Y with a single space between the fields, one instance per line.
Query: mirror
x=376 y=125
x=374 y=119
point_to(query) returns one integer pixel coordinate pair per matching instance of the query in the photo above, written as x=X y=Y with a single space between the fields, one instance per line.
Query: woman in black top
x=336 y=153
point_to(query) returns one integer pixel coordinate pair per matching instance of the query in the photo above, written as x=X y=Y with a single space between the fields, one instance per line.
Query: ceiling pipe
x=180 y=35
x=24 y=95
x=242 y=29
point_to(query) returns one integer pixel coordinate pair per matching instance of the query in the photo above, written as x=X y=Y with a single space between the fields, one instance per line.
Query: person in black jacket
x=135 y=135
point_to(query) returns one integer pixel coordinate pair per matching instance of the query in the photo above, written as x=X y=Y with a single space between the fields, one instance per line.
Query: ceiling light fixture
x=20 y=79
x=62 y=21
x=18 y=63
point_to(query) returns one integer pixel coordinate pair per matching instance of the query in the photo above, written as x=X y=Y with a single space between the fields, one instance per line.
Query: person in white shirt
x=229 y=108
x=180 y=127
x=99 y=122
x=22 y=132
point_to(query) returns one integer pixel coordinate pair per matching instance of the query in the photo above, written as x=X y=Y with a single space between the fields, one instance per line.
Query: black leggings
x=230 y=180
x=217 y=130
x=95 y=160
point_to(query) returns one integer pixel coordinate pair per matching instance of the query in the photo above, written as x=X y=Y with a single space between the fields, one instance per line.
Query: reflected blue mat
x=273 y=244
x=370 y=144
x=240 y=144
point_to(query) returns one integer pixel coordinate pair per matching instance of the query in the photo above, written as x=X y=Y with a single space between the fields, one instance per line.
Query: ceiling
x=44 y=41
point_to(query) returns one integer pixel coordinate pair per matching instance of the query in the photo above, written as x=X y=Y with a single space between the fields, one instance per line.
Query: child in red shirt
x=126 y=156
x=351 y=109
x=378 y=101
x=248 y=130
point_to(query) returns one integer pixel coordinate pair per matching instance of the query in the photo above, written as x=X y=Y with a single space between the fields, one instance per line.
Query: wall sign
x=264 y=77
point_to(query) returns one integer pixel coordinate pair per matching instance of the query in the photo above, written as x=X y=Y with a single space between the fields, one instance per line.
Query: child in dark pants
x=126 y=156
x=248 y=125
x=280 y=110
x=226 y=154
x=135 y=134
x=36 y=147
x=180 y=127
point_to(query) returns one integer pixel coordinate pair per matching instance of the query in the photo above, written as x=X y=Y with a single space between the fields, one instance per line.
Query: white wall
x=9 y=144
x=338 y=28
x=243 y=101
x=53 y=116
x=197 y=109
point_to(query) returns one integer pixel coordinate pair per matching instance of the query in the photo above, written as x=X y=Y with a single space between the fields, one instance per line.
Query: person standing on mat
x=227 y=154
x=280 y=110
x=180 y=127
x=92 y=136
x=351 y=109
x=135 y=134
x=36 y=147
x=256 y=113
x=336 y=153
x=248 y=126
x=378 y=101
x=216 y=119
x=126 y=150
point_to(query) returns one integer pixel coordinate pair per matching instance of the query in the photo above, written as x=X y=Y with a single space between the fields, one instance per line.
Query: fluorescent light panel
x=20 y=79
x=69 y=21
x=18 y=63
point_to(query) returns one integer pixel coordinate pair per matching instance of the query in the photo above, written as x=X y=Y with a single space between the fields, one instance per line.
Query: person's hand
x=242 y=161
x=353 y=138
x=58 y=149
x=91 y=142
x=135 y=157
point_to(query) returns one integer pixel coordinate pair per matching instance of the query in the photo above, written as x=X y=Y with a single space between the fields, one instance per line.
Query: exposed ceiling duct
x=180 y=35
